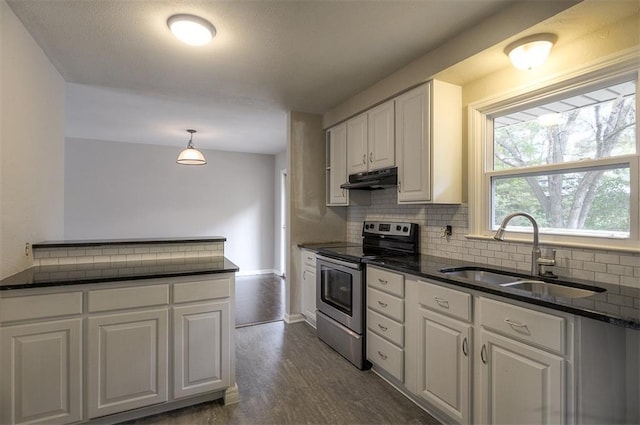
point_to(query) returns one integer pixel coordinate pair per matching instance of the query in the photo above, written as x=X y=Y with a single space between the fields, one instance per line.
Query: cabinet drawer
x=385 y=327
x=202 y=290
x=446 y=301
x=386 y=304
x=40 y=306
x=386 y=355
x=121 y=298
x=309 y=258
x=534 y=327
x=386 y=281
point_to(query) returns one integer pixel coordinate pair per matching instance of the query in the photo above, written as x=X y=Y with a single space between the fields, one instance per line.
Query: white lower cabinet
x=103 y=349
x=444 y=364
x=522 y=374
x=309 y=286
x=520 y=384
x=41 y=373
x=385 y=322
x=444 y=349
x=137 y=339
x=200 y=338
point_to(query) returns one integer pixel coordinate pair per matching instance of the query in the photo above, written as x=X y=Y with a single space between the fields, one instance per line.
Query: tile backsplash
x=126 y=253
x=595 y=265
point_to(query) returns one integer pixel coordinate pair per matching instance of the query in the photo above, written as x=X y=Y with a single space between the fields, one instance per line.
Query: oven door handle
x=355 y=266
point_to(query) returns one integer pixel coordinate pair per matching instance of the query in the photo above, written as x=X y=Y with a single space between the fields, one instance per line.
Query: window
x=568 y=157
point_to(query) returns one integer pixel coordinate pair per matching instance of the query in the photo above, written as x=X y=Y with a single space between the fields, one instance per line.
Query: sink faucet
x=537 y=260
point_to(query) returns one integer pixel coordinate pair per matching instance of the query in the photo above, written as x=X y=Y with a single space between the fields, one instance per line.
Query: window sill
x=605 y=245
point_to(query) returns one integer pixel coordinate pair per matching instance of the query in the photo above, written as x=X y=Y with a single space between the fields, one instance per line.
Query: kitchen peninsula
x=71 y=326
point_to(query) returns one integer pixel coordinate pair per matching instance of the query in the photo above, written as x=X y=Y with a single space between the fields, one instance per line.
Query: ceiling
x=129 y=80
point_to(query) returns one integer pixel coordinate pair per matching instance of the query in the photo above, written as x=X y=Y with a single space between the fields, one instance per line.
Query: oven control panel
x=387 y=228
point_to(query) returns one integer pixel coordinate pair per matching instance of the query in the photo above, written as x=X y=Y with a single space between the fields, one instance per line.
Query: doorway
x=283 y=223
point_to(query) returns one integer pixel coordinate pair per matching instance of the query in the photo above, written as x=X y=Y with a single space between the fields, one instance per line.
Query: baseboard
x=293 y=318
x=256 y=272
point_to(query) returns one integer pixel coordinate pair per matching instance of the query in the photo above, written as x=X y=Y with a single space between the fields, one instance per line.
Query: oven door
x=339 y=291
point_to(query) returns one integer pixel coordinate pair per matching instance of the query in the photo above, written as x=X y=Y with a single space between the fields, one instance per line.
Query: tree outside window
x=565 y=162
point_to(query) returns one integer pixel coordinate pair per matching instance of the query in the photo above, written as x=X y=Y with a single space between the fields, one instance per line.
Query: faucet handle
x=547 y=261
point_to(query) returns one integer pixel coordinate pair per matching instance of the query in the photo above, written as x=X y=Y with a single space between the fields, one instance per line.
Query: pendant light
x=191 y=155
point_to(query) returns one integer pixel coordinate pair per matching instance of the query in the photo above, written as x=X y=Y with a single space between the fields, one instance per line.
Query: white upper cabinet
x=381 y=136
x=371 y=140
x=357 y=144
x=337 y=165
x=428 y=144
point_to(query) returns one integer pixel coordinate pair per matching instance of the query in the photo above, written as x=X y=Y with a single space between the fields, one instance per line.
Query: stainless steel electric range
x=341 y=284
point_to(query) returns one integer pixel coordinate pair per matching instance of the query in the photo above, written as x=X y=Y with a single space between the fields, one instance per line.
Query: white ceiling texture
x=129 y=80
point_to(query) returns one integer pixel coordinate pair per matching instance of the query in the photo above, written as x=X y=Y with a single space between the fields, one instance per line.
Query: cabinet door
x=41 y=373
x=138 y=340
x=309 y=294
x=201 y=358
x=381 y=136
x=413 y=154
x=357 y=151
x=337 y=167
x=444 y=364
x=520 y=384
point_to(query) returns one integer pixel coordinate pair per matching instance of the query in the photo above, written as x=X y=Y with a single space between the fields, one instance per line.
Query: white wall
x=128 y=190
x=280 y=164
x=31 y=145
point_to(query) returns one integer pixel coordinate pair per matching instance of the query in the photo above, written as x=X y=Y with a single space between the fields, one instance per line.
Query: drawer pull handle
x=304 y=275
x=309 y=258
x=442 y=302
x=382 y=328
x=364 y=158
x=382 y=355
x=517 y=326
x=382 y=281
x=465 y=347
x=383 y=305
x=483 y=354
x=370 y=156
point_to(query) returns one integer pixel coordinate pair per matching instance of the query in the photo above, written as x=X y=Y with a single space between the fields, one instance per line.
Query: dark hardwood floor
x=259 y=299
x=288 y=376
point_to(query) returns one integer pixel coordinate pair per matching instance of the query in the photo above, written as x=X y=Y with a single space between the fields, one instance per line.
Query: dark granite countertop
x=315 y=246
x=135 y=241
x=619 y=305
x=76 y=274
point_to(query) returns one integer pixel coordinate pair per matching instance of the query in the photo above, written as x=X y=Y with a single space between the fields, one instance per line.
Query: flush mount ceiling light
x=191 y=155
x=191 y=29
x=531 y=51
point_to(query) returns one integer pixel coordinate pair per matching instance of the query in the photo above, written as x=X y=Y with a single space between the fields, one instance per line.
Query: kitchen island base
x=114 y=341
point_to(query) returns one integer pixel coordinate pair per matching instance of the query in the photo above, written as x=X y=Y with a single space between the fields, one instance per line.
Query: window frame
x=481 y=152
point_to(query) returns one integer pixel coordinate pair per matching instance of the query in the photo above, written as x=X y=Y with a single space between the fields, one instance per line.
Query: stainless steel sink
x=552 y=289
x=508 y=280
x=482 y=275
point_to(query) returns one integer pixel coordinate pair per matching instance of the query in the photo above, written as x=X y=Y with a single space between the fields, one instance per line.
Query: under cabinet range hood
x=372 y=180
